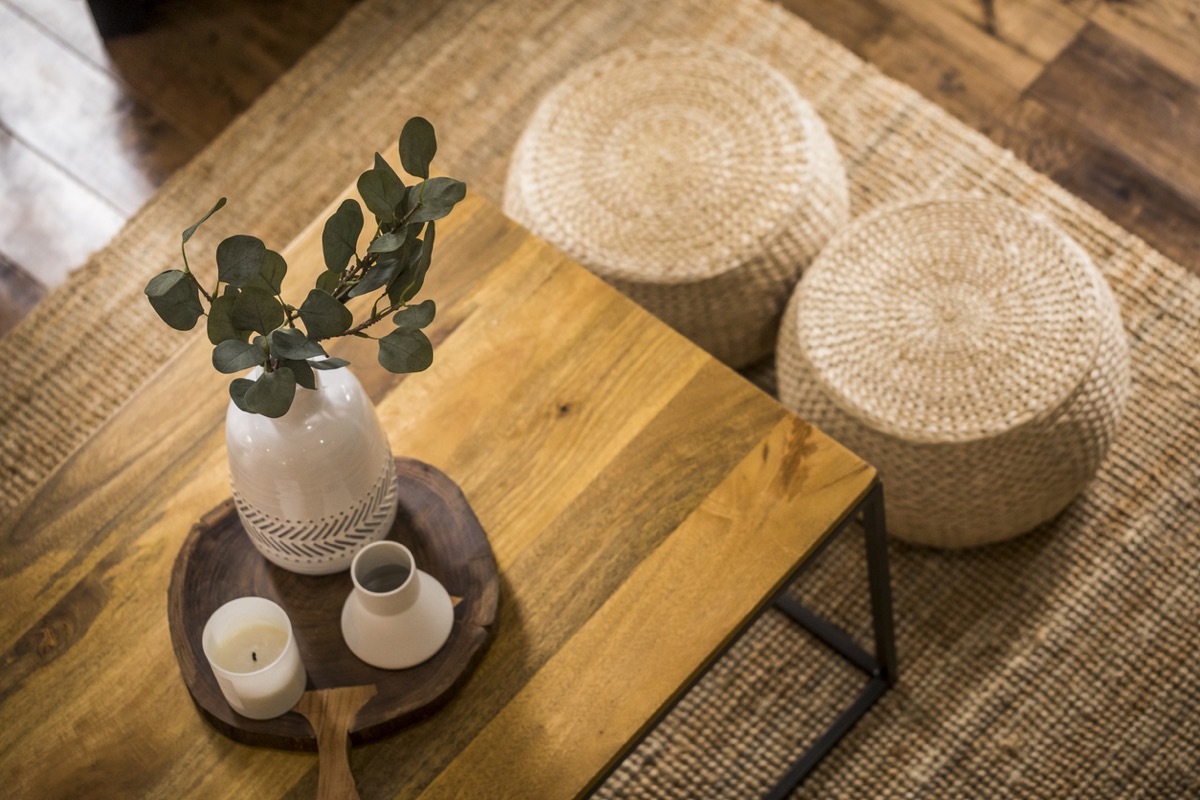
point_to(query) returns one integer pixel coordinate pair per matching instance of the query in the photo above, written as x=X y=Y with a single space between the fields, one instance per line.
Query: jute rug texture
x=1061 y=664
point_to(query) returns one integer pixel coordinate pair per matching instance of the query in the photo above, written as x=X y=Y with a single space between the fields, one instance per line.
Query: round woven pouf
x=968 y=349
x=693 y=178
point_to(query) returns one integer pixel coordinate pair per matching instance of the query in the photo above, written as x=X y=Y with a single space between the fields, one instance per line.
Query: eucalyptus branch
x=352 y=275
x=249 y=323
x=347 y=274
x=361 y=265
x=413 y=210
x=195 y=280
x=375 y=317
x=207 y=296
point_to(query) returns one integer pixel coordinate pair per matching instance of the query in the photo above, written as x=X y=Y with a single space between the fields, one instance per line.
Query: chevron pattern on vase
x=306 y=544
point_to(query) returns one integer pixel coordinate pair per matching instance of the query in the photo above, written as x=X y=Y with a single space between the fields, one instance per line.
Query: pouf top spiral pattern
x=971 y=351
x=951 y=320
x=693 y=177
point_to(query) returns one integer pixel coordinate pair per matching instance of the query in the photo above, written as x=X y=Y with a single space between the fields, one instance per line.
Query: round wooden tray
x=218 y=563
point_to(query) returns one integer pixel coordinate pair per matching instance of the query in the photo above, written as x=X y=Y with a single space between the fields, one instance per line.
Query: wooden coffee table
x=644 y=504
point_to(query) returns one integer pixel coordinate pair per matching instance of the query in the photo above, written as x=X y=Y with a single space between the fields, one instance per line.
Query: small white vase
x=315 y=485
x=397 y=616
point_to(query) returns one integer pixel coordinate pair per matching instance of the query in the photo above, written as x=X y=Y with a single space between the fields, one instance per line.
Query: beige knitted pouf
x=971 y=351
x=694 y=178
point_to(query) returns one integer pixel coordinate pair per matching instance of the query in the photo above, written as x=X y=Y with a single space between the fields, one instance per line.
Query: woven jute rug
x=1059 y=664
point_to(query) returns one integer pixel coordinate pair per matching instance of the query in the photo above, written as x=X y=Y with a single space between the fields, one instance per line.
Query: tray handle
x=331 y=712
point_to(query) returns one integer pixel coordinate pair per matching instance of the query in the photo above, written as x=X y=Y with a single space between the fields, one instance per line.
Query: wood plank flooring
x=1102 y=95
x=89 y=129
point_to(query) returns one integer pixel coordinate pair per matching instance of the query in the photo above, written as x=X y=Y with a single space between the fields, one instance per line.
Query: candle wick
x=254 y=655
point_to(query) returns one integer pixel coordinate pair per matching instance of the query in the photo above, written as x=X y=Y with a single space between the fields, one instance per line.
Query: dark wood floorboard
x=1166 y=30
x=83 y=118
x=90 y=128
x=1106 y=178
x=1129 y=104
x=245 y=47
x=1101 y=96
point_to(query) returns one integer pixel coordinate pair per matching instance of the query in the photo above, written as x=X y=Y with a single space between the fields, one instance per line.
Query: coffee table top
x=642 y=500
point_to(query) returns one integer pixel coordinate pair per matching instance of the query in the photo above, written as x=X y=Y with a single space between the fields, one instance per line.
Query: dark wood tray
x=218 y=563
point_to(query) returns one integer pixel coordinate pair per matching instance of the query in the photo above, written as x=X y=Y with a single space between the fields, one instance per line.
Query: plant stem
x=371 y=320
x=360 y=265
x=188 y=270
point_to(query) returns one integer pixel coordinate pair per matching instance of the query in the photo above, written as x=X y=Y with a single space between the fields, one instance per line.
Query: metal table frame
x=880 y=667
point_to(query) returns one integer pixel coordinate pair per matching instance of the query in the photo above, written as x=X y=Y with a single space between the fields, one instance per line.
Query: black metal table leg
x=881 y=667
x=879 y=577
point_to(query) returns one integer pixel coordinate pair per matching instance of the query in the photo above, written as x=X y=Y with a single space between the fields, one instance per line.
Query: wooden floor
x=90 y=128
x=1102 y=95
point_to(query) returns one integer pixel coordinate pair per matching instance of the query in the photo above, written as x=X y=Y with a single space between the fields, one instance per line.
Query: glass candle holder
x=249 y=645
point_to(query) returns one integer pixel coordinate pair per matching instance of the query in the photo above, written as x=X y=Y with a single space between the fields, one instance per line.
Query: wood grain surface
x=89 y=128
x=218 y=563
x=120 y=147
x=331 y=713
x=642 y=502
x=1100 y=95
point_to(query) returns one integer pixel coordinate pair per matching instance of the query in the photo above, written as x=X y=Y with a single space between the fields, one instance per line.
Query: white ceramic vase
x=396 y=616
x=315 y=485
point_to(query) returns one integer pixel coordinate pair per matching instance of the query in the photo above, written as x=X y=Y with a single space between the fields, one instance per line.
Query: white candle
x=249 y=645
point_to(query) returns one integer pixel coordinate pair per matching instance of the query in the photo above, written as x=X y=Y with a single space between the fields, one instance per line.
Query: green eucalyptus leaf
x=240 y=259
x=388 y=242
x=323 y=316
x=237 y=392
x=233 y=356
x=333 y=362
x=257 y=310
x=187 y=234
x=382 y=191
x=220 y=320
x=409 y=283
x=289 y=343
x=438 y=198
x=381 y=274
x=426 y=250
x=412 y=198
x=398 y=287
x=418 y=144
x=271 y=395
x=405 y=350
x=383 y=165
x=328 y=281
x=175 y=297
x=270 y=277
x=415 y=317
x=303 y=372
x=339 y=240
